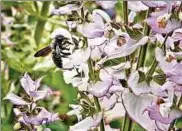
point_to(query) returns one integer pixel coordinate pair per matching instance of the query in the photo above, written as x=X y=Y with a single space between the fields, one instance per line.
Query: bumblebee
x=59 y=49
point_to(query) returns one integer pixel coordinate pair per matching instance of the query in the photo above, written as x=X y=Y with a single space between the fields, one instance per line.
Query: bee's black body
x=58 y=49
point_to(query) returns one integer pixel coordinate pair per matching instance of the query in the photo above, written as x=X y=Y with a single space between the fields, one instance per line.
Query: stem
x=155 y=63
x=127 y=123
x=40 y=24
x=92 y=78
x=143 y=48
x=125 y=17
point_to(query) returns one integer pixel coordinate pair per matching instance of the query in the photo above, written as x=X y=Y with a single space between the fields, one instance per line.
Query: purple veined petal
x=158 y=4
x=140 y=6
x=88 y=123
x=61 y=31
x=157 y=89
x=42 y=118
x=169 y=42
x=177 y=34
x=106 y=4
x=126 y=49
x=115 y=113
x=100 y=88
x=91 y=30
x=16 y=100
x=154 y=114
x=108 y=103
x=135 y=107
x=97 y=14
x=175 y=74
x=42 y=94
x=66 y=9
x=164 y=65
x=170 y=26
x=28 y=84
x=97 y=41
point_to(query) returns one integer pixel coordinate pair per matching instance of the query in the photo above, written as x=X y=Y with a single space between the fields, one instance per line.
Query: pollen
x=121 y=41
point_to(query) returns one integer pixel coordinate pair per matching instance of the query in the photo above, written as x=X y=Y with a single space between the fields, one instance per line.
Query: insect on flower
x=59 y=50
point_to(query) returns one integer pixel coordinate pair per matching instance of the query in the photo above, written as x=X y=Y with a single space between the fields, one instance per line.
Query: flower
x=31 y=88
x=177 y=35
x=97 y=28
x=171 y=69
x=43 y=117
x=135 y=107
x=160 y=22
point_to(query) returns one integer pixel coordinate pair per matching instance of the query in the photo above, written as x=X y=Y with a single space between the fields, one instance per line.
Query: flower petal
x=88 y=123
x=16 y=100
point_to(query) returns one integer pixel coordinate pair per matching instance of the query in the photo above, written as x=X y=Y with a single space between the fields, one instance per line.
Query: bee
x=58 y=49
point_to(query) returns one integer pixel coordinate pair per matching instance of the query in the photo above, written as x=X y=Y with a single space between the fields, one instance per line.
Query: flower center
x=121 y=41
x=162 y=20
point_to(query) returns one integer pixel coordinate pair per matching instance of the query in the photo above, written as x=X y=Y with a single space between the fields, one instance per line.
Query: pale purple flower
x=43 y=117
x=89 y=123
x=128 y=46
x=16 y=100
x=97 y=28
x=78 y=77
x=135 y=107
x=106 y=4
x=177 y=35
x=171 y=69
x=167 y=117
x=160 y=22
x=31 y=88
x=109 y=81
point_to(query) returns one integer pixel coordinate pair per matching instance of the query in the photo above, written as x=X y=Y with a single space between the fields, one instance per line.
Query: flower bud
x=17 y=126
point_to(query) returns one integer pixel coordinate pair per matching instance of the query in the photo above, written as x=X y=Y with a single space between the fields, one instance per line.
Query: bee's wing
x=43 y=52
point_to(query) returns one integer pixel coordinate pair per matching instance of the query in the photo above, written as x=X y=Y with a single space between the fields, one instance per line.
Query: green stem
x=41 y=23
x=155 y=63
x=125 y=17
x=143 y=48
x=127 y=123
x=92 y=78
x=125 y=12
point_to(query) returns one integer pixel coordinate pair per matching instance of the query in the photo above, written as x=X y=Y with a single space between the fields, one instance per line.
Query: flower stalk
x=92 y=78
x=143 y=48
x=155 y=63
x=127 y=121
x=41 y=23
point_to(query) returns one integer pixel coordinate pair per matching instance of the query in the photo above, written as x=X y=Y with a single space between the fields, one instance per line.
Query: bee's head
x=59 y=37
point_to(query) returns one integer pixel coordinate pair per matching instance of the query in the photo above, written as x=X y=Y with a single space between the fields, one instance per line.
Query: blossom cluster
x=107 y=64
